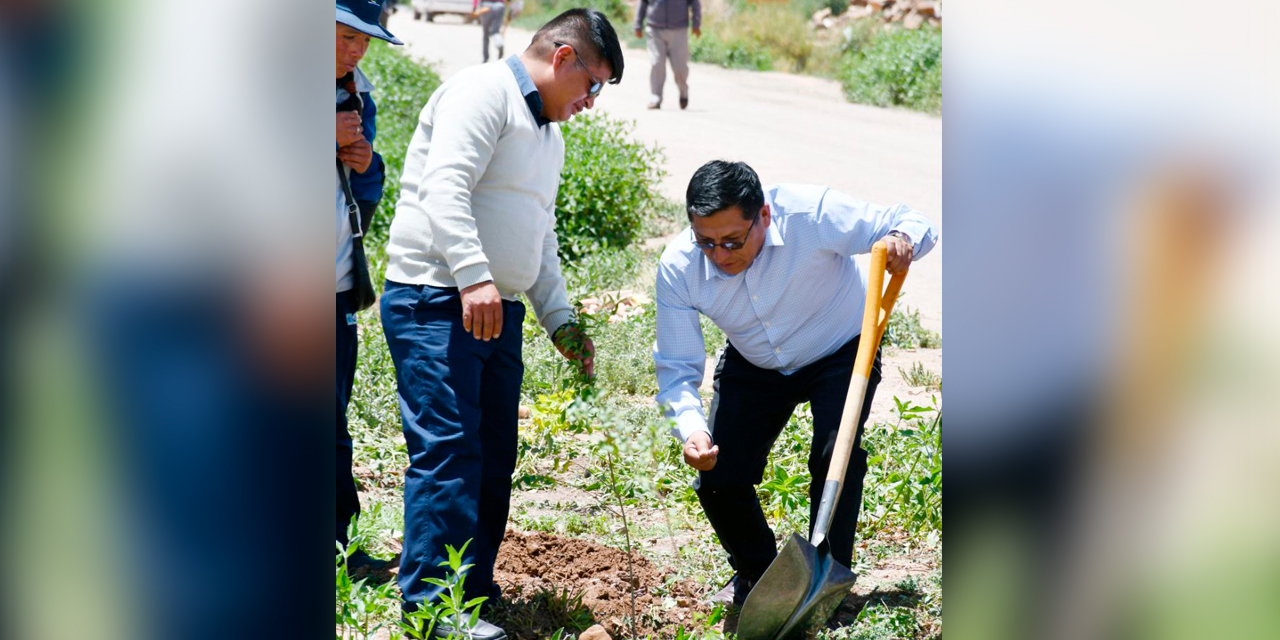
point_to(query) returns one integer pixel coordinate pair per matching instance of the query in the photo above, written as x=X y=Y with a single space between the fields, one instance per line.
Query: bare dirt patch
x=549 y=582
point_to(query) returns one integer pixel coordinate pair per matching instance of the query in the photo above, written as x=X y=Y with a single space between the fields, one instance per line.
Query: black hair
x=578 y=27
x=719 y=185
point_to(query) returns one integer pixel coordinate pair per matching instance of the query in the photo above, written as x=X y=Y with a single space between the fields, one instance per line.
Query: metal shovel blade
x=802 y=587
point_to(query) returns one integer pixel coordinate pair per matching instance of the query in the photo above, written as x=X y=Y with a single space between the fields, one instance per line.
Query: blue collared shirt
x=530 y=91
x=799 y=301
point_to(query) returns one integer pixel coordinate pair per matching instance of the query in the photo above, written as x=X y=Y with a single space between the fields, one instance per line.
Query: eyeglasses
x=596 y=85
x=727 y=246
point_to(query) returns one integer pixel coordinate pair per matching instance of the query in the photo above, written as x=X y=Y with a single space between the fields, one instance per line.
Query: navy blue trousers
x=459 y=403
x=348 y=500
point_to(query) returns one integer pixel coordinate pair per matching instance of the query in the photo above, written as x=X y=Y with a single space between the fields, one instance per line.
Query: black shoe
x=723 y=596
x=684 y=102
x=734 y=594
x=363 y=561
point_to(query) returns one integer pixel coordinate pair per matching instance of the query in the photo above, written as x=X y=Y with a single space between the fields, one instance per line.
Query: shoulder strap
x=353 y=209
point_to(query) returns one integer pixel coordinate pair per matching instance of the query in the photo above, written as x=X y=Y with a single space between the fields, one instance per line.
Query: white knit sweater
x=477 y=196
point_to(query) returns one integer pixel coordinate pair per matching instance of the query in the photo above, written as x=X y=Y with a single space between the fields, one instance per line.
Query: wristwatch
x=906 y=238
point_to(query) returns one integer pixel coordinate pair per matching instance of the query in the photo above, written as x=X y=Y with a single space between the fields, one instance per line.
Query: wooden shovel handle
x=875 y=318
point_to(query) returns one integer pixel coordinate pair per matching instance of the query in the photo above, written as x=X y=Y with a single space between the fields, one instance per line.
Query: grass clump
x=730 y=52
x=906 y=332
x=919 y=376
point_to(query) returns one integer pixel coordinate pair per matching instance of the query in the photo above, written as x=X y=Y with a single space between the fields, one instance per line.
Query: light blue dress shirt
x=799 y=301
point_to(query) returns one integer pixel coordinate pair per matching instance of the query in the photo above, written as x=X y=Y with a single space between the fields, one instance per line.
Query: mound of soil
x=549 y=582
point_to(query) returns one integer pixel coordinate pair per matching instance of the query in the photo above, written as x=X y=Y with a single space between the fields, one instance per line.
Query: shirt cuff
x=472 y=274
x=914 y=231
x=688 y=423
x=555 y=320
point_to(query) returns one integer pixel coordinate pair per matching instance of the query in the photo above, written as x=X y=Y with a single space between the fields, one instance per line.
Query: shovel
x=804 y=585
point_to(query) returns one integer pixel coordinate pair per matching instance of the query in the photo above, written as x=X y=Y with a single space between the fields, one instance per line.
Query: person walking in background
x=490 y=13
x=665 y=25
x=514 y=9
x=388 y=8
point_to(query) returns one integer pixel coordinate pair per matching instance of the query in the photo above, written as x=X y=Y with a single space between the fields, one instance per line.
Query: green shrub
x=903 y=488
x=609 y=183
x=736 y=53
x=901 y=67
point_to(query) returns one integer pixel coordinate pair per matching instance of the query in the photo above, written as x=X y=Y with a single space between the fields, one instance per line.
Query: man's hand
x=358 y=156
x=697 y=31
x=482 y=310
x=640 y=34
x=349 y=128
x=575 y=346
x=899 y=254
x=699 y=453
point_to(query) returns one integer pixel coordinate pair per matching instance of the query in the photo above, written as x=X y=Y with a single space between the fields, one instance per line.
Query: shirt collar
x=528 y=89
x=363 y=85
x=772 y=238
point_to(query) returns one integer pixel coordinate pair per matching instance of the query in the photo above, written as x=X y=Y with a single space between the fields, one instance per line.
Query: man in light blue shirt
x=773 y=268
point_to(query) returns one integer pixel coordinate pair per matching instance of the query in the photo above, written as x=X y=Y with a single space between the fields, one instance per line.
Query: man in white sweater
x=474 y=229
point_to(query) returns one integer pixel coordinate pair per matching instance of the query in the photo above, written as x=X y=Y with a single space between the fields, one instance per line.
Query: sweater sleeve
x=642 y=7
x=465 y=128
x=696 y=5
x=547 y=295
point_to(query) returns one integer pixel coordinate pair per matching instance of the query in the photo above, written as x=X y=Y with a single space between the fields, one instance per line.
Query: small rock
x=821 y=15
x=913 y=21
x=859 y=13
x=596 y=632
x=523 y=412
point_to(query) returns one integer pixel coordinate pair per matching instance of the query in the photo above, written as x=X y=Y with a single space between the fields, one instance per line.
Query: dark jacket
x=668 y=14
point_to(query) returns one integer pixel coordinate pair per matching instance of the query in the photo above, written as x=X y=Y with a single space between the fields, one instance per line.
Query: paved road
x=789 y=128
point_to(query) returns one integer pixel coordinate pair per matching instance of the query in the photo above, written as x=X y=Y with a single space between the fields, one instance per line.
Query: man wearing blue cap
x=360 y=173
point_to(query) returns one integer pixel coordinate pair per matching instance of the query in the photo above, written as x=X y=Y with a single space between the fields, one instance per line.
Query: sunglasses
x=727 y=246
x=596 y=85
